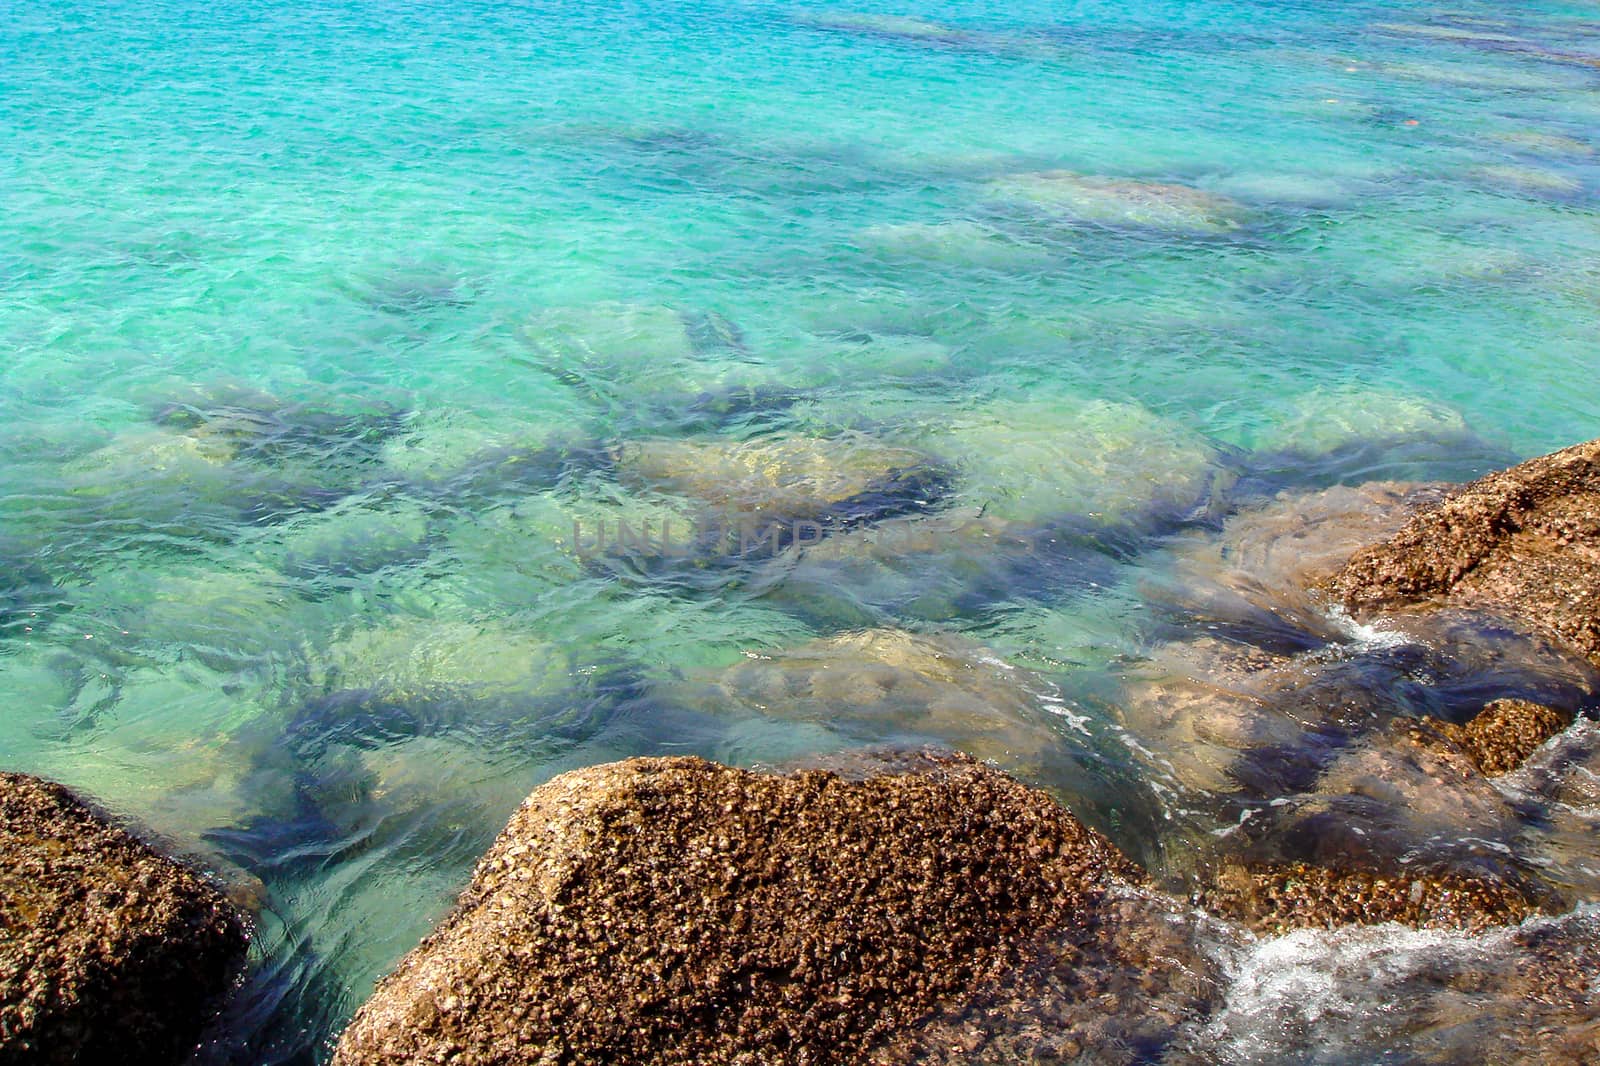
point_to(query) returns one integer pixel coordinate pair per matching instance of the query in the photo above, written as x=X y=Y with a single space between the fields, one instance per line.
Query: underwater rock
x=1275 y=899
x=1558 y=789
x=1538 y=142
x=1105 y=201
x=1261 y=687
x=1033 y=460
x=673 y=910
x=823 y=482
x=619 y=353
x=347 y=541
x=438 y=444
x=413 y=289
x=225 y=617
x=710 y=332
x=909 y=29
x=1537 y=181
x=1195 y=706
x=1257 y=581
x=1226 y=716
x=414 y=658
x=161 y=454
x=1391 y=803
x=230 y=422
x=182 y=485
x=1523 y=543
x=854 y=355
x=1150 y=973
x=28 y=594
x=958 y=242
x=1487 y=72
x=1499 y=738
x=884 y=682
x=611 y=334
x=1442 y=31
x=1297 y=189
x=512 y=471
x=940 y=567
x=108 y=951
x=1361 y=435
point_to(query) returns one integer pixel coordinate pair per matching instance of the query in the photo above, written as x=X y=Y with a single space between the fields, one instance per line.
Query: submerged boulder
x=628 y=353
x=956 y=243
x=1523 y=543
x=108 y=951
x=674 y=910
x=882 y=682
x=1106 y=201
x=411 y=658
x=1029 y=460
x=818 y=483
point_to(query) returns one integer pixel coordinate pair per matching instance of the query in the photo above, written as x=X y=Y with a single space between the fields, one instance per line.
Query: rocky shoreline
x=109 y=952
x=924 y=906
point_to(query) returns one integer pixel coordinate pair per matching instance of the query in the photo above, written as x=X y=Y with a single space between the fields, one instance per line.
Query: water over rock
x=1528 y=180
x=1543 y=143
x=1031 y=460
x=941 y=567
x=953 y=243
x=28 y=593
x=926 y=33
x=1122 y=202
x=108 y=951
x=413 y=658
x=167 y=485
x=622 y=353
x=237 y=422
x=1350 y=436
x=890 y=682
x=825 y=483
x=673 y=910
x=1523 y=543
x=1313 y=739
x=350 y=540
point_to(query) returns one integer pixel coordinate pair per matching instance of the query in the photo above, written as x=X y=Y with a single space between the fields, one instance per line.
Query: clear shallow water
x=295 y=300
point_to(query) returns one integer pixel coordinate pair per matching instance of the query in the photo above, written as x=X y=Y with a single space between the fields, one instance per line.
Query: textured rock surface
x=1275 y=899
x=108 y=952
x=673 y=910
x=1524 y=543
x=1500 y=737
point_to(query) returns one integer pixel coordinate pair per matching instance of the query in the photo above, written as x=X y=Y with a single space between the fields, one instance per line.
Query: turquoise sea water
x=323 y=325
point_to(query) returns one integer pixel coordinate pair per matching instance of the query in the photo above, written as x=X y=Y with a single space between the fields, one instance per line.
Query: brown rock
x=1280 y=897
x=108 y=951
x=1147 y=975
x=1500 y=737
x=1523 y=543
x=676 y=911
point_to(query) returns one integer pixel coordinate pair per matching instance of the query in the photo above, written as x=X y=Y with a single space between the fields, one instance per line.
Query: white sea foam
x=1366 y=635
x=1348 y=995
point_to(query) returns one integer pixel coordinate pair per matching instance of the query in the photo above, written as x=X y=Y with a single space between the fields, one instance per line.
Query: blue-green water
x=322 y=324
